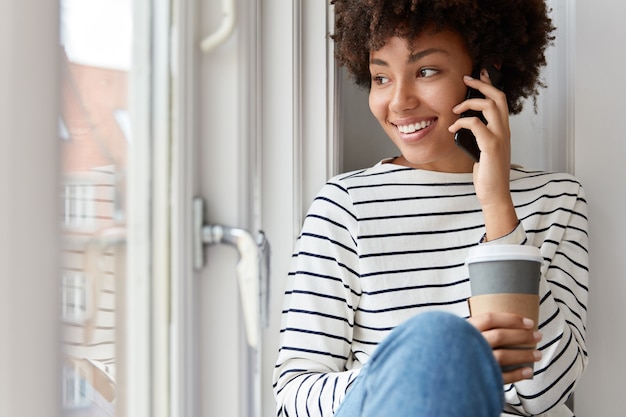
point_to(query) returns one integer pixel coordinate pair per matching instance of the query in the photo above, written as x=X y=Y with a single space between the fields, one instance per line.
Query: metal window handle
x=252 y=267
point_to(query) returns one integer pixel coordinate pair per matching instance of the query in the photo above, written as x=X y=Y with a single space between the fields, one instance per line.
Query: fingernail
x=467 y=77
x=537 y=355
x=537 y=336
x=529 y=323
x=527 y=373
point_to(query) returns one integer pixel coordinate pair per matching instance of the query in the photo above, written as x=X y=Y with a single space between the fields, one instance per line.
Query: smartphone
x=464 y=137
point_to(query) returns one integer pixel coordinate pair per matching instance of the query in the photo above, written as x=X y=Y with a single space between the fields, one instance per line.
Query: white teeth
x=414 y=127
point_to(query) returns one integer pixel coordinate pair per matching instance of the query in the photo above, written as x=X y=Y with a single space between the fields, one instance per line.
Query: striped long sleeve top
x=383 y=244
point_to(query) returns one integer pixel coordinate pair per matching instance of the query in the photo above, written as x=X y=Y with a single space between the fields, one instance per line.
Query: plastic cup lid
x=486 y=253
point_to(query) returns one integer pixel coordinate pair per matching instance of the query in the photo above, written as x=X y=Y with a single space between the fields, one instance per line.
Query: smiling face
x=413 y=92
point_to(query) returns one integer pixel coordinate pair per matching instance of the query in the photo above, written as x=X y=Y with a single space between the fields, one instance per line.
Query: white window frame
x=144 y=372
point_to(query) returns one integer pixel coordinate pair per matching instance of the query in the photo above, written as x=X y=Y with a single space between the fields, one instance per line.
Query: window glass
x=96 y=42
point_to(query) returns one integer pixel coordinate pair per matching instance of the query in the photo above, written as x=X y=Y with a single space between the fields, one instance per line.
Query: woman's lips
x=416 y=130
x=414 y=127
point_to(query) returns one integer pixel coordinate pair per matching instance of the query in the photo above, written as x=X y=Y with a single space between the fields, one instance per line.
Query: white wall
x=29 y=320
x=600 y=149
x=364 y=141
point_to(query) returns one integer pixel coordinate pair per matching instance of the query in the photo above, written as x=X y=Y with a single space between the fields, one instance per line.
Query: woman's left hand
x=507 y=329
x=492 y=172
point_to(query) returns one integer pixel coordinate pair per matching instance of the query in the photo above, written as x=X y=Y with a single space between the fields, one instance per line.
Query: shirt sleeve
x=516 y=237
x=311 y=376
x=563 y=310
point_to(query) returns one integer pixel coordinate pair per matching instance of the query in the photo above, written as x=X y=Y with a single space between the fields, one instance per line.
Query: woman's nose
x=404 y=98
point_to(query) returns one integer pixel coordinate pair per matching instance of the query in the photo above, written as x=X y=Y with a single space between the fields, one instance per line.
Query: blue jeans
x=434 y=365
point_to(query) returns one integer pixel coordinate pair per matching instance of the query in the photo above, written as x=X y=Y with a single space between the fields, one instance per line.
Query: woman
x=376 y=320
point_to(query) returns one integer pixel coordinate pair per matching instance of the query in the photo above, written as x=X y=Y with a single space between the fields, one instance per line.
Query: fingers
x=517 y=375
x=507 y=358
x=485 y=86
x=511 y=337
x=503 y=330
x=494 y=107
x=488 y=321
x=490 y=108
x=506 y=329
x=511 y=357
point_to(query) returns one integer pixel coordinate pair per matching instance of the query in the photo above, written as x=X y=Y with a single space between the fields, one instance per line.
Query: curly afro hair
x=514 y=33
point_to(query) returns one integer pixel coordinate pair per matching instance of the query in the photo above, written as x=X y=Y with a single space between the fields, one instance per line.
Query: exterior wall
x=94 y=149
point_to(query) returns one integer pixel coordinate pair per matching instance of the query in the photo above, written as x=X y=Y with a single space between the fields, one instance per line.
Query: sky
x=97 y=32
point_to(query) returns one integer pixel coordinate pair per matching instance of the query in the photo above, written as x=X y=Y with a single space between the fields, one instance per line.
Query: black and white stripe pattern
x=381 y=245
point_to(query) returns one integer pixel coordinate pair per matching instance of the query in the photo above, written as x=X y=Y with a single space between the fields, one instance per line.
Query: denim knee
x=435 y=330
x=434 y=364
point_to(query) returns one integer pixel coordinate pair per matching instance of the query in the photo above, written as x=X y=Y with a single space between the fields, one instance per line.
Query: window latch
x=252 y=267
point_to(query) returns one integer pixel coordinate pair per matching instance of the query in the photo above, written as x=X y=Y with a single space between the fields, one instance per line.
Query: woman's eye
x=379 y=79
x=427 y=72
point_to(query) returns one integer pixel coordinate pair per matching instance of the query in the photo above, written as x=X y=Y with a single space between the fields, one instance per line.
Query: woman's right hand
x=507 y=329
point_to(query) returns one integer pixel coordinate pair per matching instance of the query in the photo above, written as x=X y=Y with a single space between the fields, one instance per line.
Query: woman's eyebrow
x=378 y=61
x=416 y=56
x=421 y=54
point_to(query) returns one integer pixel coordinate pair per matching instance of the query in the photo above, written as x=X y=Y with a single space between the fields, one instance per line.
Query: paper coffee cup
x=505 y=278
